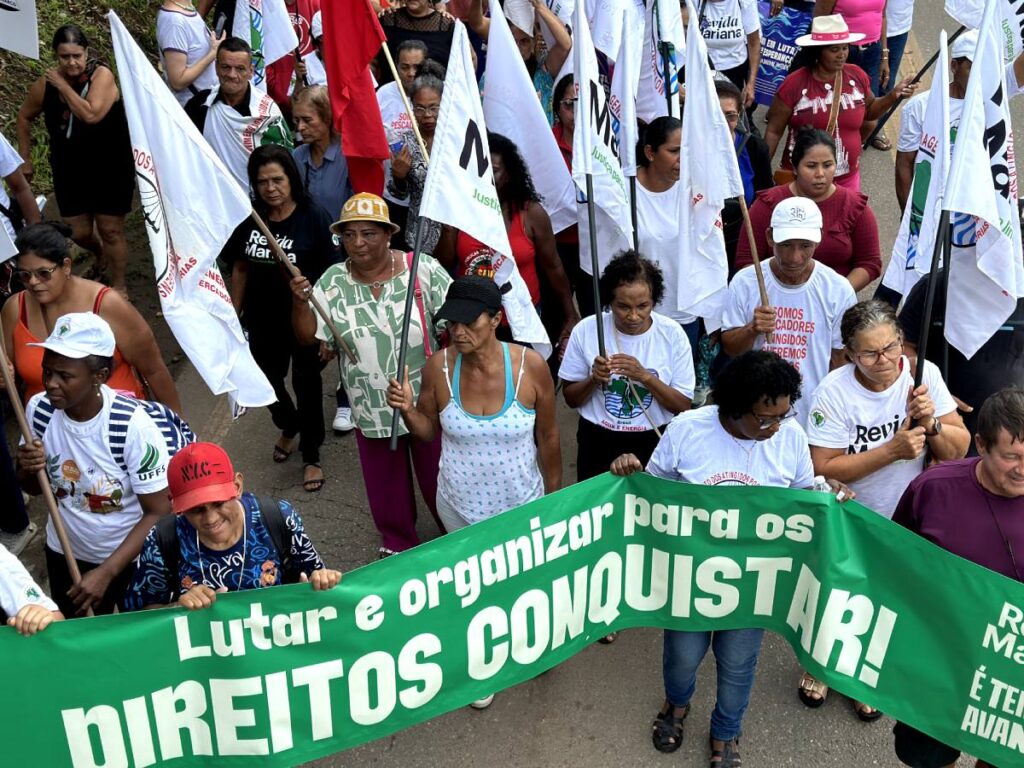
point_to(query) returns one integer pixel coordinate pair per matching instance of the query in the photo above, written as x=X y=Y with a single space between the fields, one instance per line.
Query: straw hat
x=829 y=30
x=364 y=207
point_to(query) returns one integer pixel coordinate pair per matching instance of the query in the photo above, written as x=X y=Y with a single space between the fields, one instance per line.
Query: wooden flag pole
x=595 y=266
x=405 y=101
x=280 y=255
x=403 y=342
x=754 y=255
x=41 y=476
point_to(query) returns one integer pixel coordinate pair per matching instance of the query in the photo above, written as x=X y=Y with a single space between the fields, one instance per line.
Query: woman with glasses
x=871 y=428
x=365 y=297
x=747 y=438
x=408 y=165
x=43 y=267
x=261 y=295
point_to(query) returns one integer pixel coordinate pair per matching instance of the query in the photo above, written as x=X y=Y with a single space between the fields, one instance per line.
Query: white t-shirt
x=10 y=161
x=663 y=349
x=657 y=216
x=98 y=500
x=725 y=26
x=899 y=16
x=17 y=589
x=807 y=320
x=396 y=121
x=696 y=449
x=846 y=414
x=185 y=33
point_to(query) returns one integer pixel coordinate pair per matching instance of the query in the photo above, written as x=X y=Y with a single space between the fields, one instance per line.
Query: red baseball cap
x=200 y=473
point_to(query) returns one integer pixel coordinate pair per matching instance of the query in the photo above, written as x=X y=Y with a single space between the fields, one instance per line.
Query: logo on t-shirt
x=151 y=465
x=864 y=436
x=622 y=402
x=480 y=263
x=817 y=418
x=731 y=477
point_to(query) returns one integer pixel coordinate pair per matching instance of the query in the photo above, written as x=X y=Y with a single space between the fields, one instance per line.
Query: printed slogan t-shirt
x=662 y=349
x=846 y=414
x=807 y=320
x=725 y=25
x=696 y=449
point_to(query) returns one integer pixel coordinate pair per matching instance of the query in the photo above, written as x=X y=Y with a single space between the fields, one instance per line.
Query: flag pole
x=280 y=255
x=405 y=101
x=754 y=255
x=941 y=238
x=403 y=342
x=595 y=268
x=917 y=78
x=41 y=476
x=633 y=214
x=664 y=49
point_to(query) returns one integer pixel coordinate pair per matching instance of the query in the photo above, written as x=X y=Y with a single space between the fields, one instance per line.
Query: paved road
x=596 y=709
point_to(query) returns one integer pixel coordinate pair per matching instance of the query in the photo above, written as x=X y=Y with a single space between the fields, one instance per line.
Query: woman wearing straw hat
x=365 y=297
x=807 y=97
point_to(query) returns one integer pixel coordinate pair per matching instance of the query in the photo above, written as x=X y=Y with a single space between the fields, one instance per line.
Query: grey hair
x=427 y=81
x=864 y=315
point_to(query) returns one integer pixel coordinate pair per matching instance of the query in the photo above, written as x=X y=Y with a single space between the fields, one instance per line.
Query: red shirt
x=474 y=258
x=811 y=103
x=849 y=238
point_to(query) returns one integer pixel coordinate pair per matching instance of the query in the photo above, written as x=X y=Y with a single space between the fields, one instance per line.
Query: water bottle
x=821 y=484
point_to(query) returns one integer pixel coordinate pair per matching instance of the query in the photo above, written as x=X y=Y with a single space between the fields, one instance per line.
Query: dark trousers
x=60 y=583
x=13 y=518
x=597 y=448
x=274 y=350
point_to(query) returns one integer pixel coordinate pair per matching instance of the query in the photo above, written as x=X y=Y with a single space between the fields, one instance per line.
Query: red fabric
x=474 y=258
x=805 y=95
x=570 y=235
x=352 y=37
x=849 y=236
x=279 y=74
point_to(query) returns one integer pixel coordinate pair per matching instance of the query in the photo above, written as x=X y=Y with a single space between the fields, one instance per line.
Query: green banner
x=285 y=675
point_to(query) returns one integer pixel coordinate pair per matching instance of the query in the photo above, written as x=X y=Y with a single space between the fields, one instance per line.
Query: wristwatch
x=936 y=429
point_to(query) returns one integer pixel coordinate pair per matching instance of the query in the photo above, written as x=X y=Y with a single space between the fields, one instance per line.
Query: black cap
x=469 y=297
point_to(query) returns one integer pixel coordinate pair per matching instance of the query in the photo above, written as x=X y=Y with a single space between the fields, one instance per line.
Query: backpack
x=176 y=433
x=166 y=531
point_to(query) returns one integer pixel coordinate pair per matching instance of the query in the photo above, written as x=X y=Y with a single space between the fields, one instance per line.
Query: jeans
x=869 y=58
x=736 y=652
x=896 y=47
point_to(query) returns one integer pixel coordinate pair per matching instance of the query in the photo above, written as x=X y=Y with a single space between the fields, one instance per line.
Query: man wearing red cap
x=221 y=539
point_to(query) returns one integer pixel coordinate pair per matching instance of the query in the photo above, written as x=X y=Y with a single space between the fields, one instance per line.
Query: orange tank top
x=28 y=361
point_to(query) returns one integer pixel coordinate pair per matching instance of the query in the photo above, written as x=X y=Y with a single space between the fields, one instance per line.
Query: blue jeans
x=896 y=47
x=736 y=652
x=869 y=58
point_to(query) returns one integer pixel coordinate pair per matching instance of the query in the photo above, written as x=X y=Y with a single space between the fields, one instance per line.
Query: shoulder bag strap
x=418 y=293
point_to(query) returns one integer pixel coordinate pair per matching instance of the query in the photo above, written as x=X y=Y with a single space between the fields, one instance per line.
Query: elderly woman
x=806 y=97
x=43 y=266
x=106 y=459
x=90 y=149
x=871 y=428
x=220 y=539
x=849 y=233
x=322 y=166
x=365 y=298
x=747 y=438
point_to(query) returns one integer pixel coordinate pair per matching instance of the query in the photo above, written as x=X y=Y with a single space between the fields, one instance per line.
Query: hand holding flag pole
x=403 y=342
x=755 y=256
x=41 y=477
x=405 y=99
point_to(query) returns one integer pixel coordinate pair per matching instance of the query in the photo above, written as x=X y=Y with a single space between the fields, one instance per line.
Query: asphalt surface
x=595 y=709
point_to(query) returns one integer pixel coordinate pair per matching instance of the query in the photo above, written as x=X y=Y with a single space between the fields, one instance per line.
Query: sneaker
x=483 y=703
x=16 y=542
x=343 y=420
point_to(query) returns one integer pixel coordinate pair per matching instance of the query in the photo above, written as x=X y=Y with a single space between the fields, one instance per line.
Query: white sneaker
x=343 y=420
x=483 y=703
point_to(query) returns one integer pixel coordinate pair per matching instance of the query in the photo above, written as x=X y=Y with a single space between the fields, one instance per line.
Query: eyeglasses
x=871 y=356
x=368 y=234
x=568 y=103
x=731 y=117
x=43 y=274
x=423 y=111
x=766 y=422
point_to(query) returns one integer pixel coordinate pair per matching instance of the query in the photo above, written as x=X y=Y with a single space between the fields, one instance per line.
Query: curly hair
x=630 y=267
x=519 y=189
x=752 y=377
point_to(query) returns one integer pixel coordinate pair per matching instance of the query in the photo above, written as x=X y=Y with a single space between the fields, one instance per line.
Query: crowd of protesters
x=812 y=382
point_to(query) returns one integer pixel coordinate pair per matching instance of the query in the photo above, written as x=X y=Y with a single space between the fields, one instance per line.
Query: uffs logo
x=151 y=465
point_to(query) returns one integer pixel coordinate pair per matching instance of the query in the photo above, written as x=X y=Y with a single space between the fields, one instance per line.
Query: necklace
x=187 y=7
x=1006 y=542
x=245 y=546
x=748 y=451
x=378 y=284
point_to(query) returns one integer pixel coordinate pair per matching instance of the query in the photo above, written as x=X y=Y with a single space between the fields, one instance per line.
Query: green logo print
x=150 y=460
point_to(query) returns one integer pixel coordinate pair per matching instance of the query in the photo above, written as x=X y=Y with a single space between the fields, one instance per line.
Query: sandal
x=865 y=712
x=608 y=639
x=812 y=691
x=881 y=142
x=668 y=729
x=313 y=484
x=281 y=453
x=728 y=756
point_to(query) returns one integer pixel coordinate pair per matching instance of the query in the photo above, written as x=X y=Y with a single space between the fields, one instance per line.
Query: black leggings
x=597 y=448
x=60 y=583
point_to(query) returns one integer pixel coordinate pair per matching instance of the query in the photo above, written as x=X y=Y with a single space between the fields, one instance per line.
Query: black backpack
x=273 y=520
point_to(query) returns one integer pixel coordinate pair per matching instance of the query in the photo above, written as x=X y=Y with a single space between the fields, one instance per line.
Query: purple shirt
x=949 y=507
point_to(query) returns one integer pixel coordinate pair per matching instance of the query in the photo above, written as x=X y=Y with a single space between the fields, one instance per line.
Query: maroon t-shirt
x=948 y=506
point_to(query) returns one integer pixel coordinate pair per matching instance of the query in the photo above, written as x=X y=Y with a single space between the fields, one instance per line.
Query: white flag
x=709 y=175
x=1010 y=19
x=984 y=286
x=512 y=109
x=266 y=26
x=664 y=46
x=520 y=13
x=191 y=204
x=595 y=150
x=459 y=190
x=625 y=81
x=915 y=243
x=20 y=30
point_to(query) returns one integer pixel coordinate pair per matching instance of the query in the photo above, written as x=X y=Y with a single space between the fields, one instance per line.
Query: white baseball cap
x=79 y=335
x=963 y=47
x=796 y=218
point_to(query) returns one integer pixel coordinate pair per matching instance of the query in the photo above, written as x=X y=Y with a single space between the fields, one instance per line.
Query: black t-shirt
x=305 y=236
x=998 y=364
